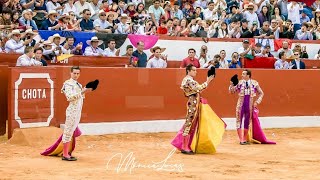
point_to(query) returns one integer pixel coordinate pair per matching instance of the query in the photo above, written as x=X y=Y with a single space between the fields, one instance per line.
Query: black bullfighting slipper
x=69 y=159
x=187 y=152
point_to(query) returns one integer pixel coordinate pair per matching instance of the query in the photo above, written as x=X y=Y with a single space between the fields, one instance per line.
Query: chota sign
x=34 y=101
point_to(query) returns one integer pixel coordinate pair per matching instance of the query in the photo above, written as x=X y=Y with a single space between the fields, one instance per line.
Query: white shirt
x=102 y=24
x=14 y=46
x=81 y=7
x=90 y=51
x=156 y=63
x=122 y=29
x=294 y=14
x=68 y=8
x=24 y=60
x=251 y=18
x=50 y=6
x=96 y=9
x=110 y=53
x=224 y=64
x=297 y=63
x=208 y=15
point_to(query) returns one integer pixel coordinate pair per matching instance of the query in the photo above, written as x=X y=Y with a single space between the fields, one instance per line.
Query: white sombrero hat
x=29 y=31
x=161 y=49
x=28 y=11
x=52 y=12
x=16 y=31
x=255 y=7
x=47 y=42
x=94 y=38
x=115 y=15
x=62 y=39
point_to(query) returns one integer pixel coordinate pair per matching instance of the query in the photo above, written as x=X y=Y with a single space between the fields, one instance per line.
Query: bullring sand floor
x=296 y=156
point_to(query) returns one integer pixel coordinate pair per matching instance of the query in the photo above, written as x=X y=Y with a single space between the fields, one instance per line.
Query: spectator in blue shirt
x=86 y=24
x=142 y=57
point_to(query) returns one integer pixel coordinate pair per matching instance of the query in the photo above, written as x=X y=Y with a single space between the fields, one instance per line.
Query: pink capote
x=257 y=131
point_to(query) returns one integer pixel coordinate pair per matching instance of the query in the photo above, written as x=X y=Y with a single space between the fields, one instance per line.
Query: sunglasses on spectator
x=88 y=14
x=102 y=14
x=296 y=54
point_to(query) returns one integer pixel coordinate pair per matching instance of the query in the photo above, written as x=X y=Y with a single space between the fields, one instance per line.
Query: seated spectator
x=297 y=63
x=250 y=14
x=74 y=23
x=47 y=50
x=268 y=50
x=29 y=34
x=51 y=23
x=129 y=51
x=302 y=51
x=234 y=29
x=15 y=21
x=235 y=63
x=157 y=61
x=6 y=26
x=223 y=31
x=156 y=12
x=65 y=24
x=265 y=31
x=247 y=50
x=285 y=48
x=235 y=14
x=282 y=63
x=275 y=28
x=286 y=30
x=101 y=24
x=203 y=57
x=277 y=14
x=210 y=13
x=303 y=17
x=57 y=40
x=15 y=44
x=82 y=5
x=69 y=48
x=162 y=29
x=93 y=49
x=146 y=29
x=38 y=56
x=26 y=19
x=317 y=32
x=245 y=32
x=96 y=6
x=54 y=5
x=317 y=56
x=176 y=12
x=190 y=59
x=70 y=7
x=214 y=62
x=130 y=11
x=303 y=33
x=26 y=58
x=198 y=13
x=111 y=51
x=123 y=27
x=258 y=48
x=264 y=15
x=223 y=62
x=263 y=53
x=86 y=24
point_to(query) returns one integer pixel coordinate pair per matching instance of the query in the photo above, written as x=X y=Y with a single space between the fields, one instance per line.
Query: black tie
x=247 y=85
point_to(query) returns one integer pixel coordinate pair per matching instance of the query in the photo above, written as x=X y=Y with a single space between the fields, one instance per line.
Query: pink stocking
x=66 y=149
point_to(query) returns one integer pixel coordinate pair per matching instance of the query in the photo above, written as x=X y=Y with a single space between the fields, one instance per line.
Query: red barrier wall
x=154 y=94
x=3 y=98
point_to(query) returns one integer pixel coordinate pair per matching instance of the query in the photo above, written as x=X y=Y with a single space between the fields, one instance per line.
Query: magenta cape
x=57 y=148
x=257 y=132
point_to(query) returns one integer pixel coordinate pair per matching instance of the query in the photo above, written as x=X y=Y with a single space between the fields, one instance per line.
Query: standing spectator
x=264 y=15
x=156 y=12
x=140 y=55
x=294 y=15
x=190 y=59
x=210 y=13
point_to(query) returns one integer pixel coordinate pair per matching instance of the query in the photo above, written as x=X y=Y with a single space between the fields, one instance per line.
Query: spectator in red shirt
x=190 y=59
x=163 y=28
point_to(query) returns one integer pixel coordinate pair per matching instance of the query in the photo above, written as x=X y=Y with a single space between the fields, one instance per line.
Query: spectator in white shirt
x=281 y=63
x=250 y=14
x=101 y=24
x=157 y=61
x=294 y=14
x=82 y=5
x=70 y=7
x=54 y=5
x=15 y=44
x=210 y=13
x=123 y=27
x=95 y=4
x=111 y=51
x=93 y=49
x=26 y=58
x=223 y=62
x=56 y=40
